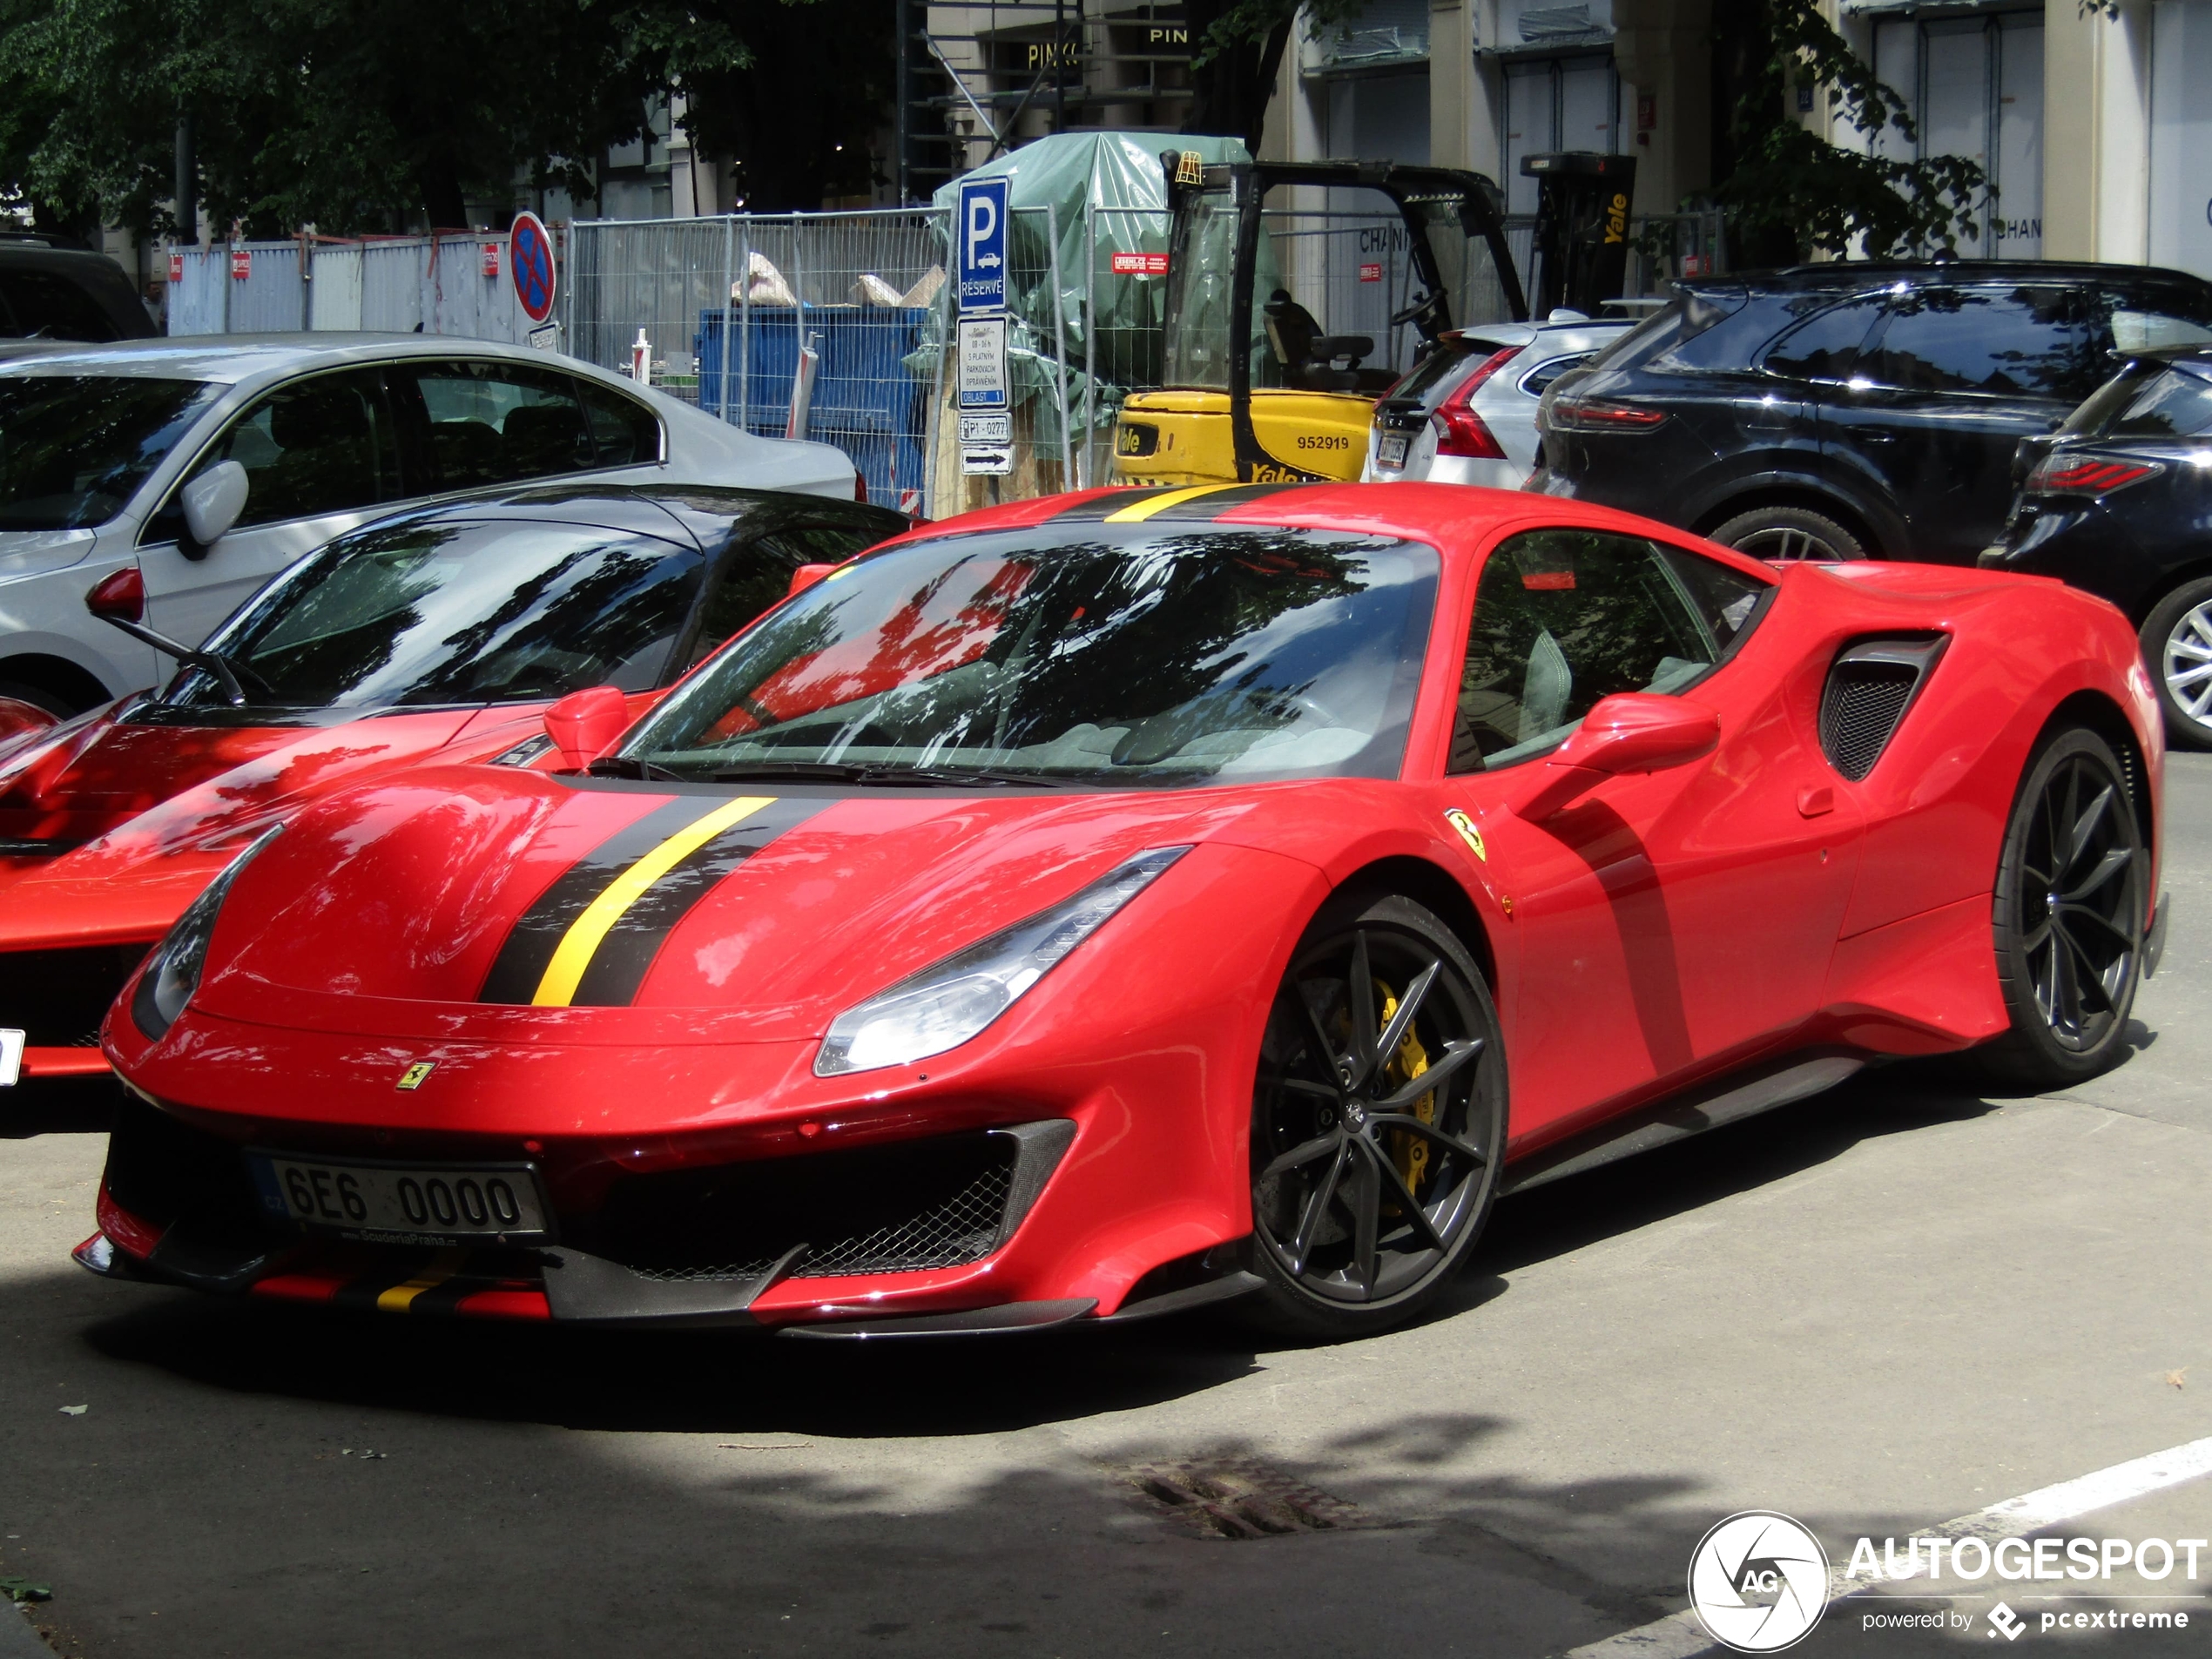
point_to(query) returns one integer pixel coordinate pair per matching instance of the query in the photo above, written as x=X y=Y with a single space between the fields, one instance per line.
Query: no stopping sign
x=530 y=262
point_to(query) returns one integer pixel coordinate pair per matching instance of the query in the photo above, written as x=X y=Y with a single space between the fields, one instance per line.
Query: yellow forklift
x=1256 y=388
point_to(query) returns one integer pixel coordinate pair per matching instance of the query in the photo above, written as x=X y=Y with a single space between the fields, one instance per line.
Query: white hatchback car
x=212 y=463
x=1467 y=414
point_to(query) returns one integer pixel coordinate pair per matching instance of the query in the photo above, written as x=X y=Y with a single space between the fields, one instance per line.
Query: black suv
x=51 y=289
x=1840 y=410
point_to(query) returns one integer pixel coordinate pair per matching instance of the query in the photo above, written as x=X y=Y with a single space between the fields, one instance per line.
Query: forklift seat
x=1311 y=360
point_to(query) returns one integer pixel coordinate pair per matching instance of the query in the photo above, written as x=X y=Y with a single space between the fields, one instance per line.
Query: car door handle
x=1815 y=801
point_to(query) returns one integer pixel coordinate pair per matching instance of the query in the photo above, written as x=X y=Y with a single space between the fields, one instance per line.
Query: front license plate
x=10 y=1057
x=1390 y=450
x=402 y=1203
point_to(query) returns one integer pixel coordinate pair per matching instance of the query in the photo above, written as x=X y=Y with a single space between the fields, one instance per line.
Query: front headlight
x=172 y=974
x=942 y=1007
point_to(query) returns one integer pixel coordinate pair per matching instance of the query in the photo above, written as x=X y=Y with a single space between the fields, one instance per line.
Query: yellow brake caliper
x=1411 y=1153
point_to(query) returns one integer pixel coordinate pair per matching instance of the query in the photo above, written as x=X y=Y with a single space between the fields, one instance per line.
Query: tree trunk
x=439 y=182
x=1230 y=90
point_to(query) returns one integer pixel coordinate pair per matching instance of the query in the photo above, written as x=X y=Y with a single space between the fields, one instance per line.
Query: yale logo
x=413 y=1077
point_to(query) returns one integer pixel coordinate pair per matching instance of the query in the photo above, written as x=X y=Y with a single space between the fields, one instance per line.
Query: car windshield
x=74 y=448
x=443 y=613
x=1117 y=655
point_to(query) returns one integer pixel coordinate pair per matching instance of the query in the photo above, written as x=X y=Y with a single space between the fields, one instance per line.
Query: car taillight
x=860 y=485
x=1460 y=430
x=1595 y=414
x=2067 y=476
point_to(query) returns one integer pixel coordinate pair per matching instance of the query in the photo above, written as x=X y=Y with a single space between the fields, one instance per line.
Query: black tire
x=39 y=697
x=1789 y=533
x=1363 y=1209
x=2177 y=643
x=2068 y=917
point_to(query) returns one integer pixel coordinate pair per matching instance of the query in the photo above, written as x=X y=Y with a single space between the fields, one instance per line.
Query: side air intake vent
x=1869 y=689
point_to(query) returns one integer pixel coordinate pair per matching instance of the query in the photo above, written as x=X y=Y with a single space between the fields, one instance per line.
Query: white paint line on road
x=1680 y=1636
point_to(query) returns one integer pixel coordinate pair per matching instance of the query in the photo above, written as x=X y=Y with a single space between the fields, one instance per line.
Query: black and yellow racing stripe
x=1192 y=503
x=590 y=939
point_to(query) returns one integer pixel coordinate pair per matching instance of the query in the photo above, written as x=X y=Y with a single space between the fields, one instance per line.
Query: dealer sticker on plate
x=1390 y=450
x=402 y=1203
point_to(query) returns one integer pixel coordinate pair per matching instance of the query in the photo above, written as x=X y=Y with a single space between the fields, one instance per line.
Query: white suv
x=212 y=463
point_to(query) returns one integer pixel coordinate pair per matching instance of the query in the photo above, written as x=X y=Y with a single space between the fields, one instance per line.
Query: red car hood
x=162 y=808
x=437 y=905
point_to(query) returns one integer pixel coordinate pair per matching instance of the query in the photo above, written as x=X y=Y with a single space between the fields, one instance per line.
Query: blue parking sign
x=981 y=239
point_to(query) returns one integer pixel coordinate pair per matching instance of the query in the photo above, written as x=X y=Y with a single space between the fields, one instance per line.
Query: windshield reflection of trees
x=73 y=450
x=1166 y=642
x=359 y=624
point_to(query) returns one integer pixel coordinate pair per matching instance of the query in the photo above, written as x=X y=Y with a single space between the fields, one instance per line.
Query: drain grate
x=1236 y=1497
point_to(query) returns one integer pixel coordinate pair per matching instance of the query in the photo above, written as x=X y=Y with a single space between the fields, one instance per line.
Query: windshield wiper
x=624 y=767
x=882 y=777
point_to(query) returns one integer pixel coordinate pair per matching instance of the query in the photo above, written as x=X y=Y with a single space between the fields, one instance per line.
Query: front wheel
x=2070 y=906
x=1379 y=1120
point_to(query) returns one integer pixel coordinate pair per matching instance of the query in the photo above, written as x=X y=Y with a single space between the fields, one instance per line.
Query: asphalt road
x=1896 y=1303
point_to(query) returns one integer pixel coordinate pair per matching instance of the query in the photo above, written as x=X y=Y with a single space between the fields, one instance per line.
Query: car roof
x=231 y=359
x=705 y=512
x=1856 y=274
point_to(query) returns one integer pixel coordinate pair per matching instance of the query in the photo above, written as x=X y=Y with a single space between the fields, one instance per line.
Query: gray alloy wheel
x=1378 y=1120
x=2177 y=648
x=2070 y=908
x=1788 y=533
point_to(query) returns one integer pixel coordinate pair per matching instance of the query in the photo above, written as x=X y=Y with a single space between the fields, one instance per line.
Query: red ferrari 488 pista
x=1101 y=904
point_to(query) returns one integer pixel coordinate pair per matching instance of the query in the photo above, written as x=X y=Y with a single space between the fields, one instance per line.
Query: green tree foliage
x=1789 y=192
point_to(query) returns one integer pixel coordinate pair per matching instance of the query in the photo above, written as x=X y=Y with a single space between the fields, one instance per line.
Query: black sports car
x=2119 y=501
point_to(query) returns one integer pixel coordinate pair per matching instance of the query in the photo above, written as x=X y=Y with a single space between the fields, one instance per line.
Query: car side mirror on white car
x=213 y=501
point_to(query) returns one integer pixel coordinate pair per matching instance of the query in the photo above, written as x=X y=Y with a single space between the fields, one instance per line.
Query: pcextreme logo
x=1758 y=1581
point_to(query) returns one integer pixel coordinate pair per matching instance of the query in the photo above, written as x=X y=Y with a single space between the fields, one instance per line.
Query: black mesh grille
x=59 y=997
x=1861 y=710
x=938 y=1203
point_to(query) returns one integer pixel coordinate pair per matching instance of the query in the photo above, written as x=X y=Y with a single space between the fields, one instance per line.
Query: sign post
x=985 y=397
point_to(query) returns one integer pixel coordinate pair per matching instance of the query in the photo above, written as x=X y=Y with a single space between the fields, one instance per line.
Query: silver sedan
x=210 y=464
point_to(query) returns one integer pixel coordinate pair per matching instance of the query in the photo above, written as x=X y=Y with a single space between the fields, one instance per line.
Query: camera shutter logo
x=1758 y=1581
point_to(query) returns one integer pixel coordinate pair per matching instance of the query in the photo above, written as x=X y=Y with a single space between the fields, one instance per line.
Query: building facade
x=2094 y=128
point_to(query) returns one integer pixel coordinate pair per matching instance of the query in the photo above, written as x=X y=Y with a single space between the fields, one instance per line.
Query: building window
x=1974 y=86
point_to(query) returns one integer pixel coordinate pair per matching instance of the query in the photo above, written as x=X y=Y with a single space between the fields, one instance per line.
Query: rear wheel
x=1788 y=533
x=2069 y=914
x=1379 y=1120
x=2177 y=648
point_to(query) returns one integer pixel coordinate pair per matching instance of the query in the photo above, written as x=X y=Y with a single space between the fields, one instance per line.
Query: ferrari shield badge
x=413 y=1077
x=1460 y=821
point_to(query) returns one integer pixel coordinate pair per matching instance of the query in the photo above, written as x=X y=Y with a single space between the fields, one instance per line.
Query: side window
x=497 y=423
x=1824 y=347
x=50 y=306
x=2008 y=342
x=1563 y=617
x=1538 y=381
x=758 y=573
x=626 y=432
x=321 y=445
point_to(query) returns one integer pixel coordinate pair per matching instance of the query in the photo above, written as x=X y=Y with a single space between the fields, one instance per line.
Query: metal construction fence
x=834 y=325
x=441 y=284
